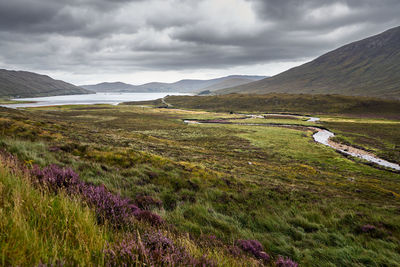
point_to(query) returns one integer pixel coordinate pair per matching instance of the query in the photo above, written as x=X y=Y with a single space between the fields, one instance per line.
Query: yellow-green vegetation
x=290 y=103
x=36 y=227
x=300 y=199
x=40 y=227
x=5 y=101
x=276 y=120
x=382 y=137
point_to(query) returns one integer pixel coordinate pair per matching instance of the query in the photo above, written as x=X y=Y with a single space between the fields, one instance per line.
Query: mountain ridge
x=368 y=67
x=29 y=84
x=181 y=86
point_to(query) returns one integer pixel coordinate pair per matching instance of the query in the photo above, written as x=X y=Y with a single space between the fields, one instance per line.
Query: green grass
x=267 y=120
x=37 y=227
x=382 y=136
x=5 y=101
x=291 y=103
x=298 y=198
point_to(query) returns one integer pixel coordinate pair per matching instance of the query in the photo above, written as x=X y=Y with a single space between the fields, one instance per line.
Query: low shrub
x=117 y=210
x=285 y=262
x=149 y=217
x=153 y=249
x=147 y=202
x=253 y=247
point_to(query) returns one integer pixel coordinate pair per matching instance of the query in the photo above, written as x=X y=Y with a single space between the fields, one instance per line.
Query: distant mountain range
x=182 y=86
x=29 y=84
x=370 y=67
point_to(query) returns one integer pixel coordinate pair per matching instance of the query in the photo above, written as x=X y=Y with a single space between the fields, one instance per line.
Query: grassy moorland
x=369 y=123
x=292 y=103
x=379 y=136
x=213 y=185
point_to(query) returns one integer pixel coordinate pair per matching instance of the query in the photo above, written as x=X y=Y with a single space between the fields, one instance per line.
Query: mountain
x=370 y=67
x=182 y=86
x=227 y=83
x=109 y=87
x=29 y=84
x=192 y=86
x=155 y=87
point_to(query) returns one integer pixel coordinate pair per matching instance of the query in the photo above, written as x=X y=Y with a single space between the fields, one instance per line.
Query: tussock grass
x=37 y=227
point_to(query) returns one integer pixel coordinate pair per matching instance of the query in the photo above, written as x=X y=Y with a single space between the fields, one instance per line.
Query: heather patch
x=151 y=249
x=109 y=206
x=285 y=262
x=147 y=202
x=41 y=229
x=253 y=247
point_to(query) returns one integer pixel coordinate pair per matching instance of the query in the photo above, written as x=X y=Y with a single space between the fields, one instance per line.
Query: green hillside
x=370 y=67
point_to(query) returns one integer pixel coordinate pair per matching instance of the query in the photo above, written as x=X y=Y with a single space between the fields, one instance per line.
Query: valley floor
x=229 y=182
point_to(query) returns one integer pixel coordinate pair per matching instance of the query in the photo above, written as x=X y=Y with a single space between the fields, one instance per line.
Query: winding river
x=321 y=136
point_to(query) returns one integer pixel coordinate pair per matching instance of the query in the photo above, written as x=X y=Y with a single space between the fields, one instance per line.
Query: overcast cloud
x=88 y=41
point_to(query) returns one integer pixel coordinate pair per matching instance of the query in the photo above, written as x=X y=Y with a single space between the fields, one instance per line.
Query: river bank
x=321 y=136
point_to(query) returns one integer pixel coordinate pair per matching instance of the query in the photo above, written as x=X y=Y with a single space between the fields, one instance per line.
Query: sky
x=139 y=41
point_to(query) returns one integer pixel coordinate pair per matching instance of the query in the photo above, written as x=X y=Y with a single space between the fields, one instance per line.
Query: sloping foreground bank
x=49 y=217
x=37 y=227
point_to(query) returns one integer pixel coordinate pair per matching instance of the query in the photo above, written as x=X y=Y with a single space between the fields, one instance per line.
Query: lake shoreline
x=86 y=99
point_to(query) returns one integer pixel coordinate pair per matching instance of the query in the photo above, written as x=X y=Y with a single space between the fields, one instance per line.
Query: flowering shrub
x=55 y=178
x=152 y=249
x=253 y=247
x=112 y=207
x=152 y=218
x=119 y=211
x=124 y=253
x=285 y=262
x=147 y=202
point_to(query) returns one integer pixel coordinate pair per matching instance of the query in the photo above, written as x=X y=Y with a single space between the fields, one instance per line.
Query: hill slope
x=190 y=86
x=184 y=86
x=228 y=83
x=29 y=84
x=370 y=67
x=110 y=87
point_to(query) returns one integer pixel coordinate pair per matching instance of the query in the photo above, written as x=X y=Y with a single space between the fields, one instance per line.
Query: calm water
x=98 y=98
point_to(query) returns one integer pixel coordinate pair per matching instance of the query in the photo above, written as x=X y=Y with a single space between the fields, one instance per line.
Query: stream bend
x=321 y=136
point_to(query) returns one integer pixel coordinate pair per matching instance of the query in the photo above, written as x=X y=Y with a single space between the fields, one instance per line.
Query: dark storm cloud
x=127 y=35
x=298 y=13
x=60 y=16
